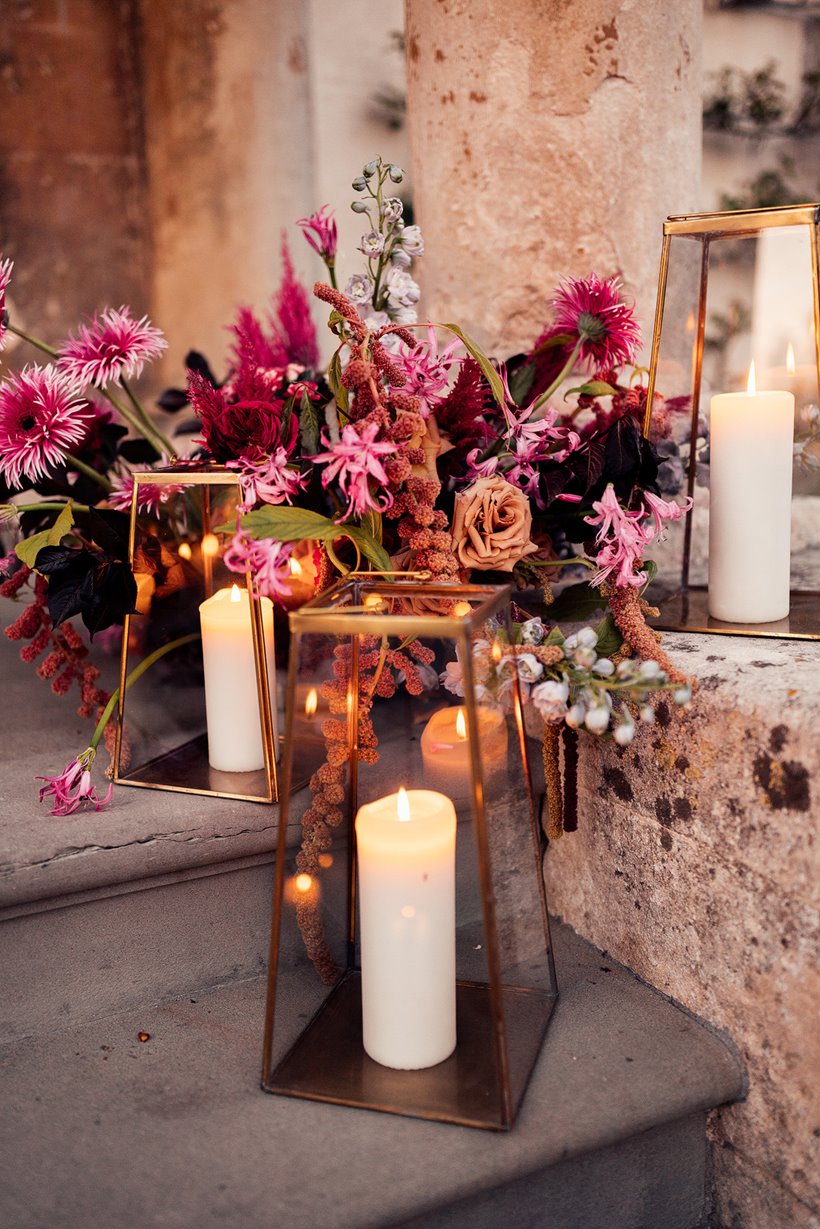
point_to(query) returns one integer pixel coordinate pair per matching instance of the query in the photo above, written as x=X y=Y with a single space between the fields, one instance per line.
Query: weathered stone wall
x=549 y=138
x=696 y=864
x=72 y=183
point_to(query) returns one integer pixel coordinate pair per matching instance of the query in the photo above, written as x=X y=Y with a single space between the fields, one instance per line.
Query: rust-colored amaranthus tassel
x=552 y=778
x=628 y=612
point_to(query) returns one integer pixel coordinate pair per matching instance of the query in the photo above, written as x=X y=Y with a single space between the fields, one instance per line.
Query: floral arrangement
x=411 y=451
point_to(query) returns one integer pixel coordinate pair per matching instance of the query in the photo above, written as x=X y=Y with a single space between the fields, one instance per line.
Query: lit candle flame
x=751 y=383
x=303 y=883
x=311 y=703
x=210 y=545
x=791 y=366
x=461 y=609
x=496 y=652
x=236 y=596
x=461 y=725
x=403 y=805
x=184 y=550
x=296 y=568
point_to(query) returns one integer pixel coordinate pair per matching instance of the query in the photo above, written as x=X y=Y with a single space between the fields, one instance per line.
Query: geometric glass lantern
x=411 y=967
x=736 y=289
x=199 y=715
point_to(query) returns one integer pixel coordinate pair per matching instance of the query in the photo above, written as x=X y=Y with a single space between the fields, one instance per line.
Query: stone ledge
x=105 y=1131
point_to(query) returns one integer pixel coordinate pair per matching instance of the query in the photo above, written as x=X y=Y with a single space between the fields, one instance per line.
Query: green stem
x=146 y=431
x=33 y=341
x=47 y=506
x=81 y=466
x=562 y=375
x=136 y=673
x=562 y=563
x=143 y=416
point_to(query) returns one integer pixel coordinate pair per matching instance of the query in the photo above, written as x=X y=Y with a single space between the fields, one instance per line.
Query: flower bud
x=597 y=720
x=371 y=168
x=623 y=734
x=359 y=184
x=604 y=667
x=648 y=714
x=395 y=172
x=358 y=207
x=683 y=695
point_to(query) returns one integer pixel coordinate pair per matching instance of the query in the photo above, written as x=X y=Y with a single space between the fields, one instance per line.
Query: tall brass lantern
x=416 y=944
x=735 y=287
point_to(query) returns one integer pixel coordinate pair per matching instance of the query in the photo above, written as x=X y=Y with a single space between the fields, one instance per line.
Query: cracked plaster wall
x=549 y=138
x=696 y=865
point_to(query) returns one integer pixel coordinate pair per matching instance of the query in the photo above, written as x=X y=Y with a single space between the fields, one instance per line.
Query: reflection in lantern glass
x=325 y=861
x=408 y=911
x=210 y=545
x=303 y=883
x=311 y=703
x=461 y=725
x=496 y=652
x=461 y=609
x=296 y=568
x=185 y=551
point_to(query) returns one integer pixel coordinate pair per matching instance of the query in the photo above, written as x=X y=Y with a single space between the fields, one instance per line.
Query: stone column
x=228 y=141
x=549 y=137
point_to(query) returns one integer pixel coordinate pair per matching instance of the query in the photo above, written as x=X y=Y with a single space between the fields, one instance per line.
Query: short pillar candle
x=231 y=688
x=406 y=857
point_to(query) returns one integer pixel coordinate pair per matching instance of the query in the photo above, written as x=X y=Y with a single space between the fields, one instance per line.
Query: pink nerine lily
x=621 y=540
x=73 y=786
x=351 y=462
x=267 y=559
x=266 y=478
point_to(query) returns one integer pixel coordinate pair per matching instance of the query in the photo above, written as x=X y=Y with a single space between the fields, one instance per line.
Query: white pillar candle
x=406 y=854
x=231 y=693
x=445 y=749
x=750 y=491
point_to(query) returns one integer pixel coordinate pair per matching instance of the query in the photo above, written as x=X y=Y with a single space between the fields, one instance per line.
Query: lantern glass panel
x=735 y=288
x=392 y=641
x=177 y=555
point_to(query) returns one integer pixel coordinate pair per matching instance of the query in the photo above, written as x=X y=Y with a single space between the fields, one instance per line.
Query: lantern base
x=328 y=1061
x=185 y=770
x=687 y=610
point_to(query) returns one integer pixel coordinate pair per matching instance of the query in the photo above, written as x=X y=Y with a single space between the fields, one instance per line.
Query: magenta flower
x=151 y=495
x=266 y=478
x=73 y=786
x=664 y=510
x=42 y=415
x=427 y=370
x=621 y=541
x=111 y=347
x=476 y=468
x=267 y=560
x=604 y=322
x=351 y=462
x=6 y=267
x=320 y=231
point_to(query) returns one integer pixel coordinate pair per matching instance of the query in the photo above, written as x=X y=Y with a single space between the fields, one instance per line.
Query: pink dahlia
x=6 y=267
x=605 y=324
x=266 y=559
x=42 y=416
x=113 y=346
x=351 y=462
x=73 y=786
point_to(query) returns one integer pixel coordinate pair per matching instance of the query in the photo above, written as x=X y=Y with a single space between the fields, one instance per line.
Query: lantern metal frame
x=186 y=761
x=686 y=609
x=327 y=1061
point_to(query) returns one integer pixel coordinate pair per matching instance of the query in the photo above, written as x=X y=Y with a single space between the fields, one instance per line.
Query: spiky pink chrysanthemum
x=114 y=345
x=42 y=416
x=6 y=267
x=594 y=309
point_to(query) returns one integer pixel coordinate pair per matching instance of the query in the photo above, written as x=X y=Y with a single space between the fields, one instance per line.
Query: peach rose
x=491 y=526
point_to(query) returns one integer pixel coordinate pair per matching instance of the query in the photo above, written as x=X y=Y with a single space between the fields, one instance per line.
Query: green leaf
x=295 y=524
x=559 y=339
x=334 y=379
x=556 y=636
x=372 y=524
x=577 y=603
x=609 y=638
x=490 y=374
x=28 y=549
x=521 y=382
x=593 y=388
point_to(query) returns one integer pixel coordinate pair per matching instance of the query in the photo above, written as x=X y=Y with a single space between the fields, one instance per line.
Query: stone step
x=104 y=1131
